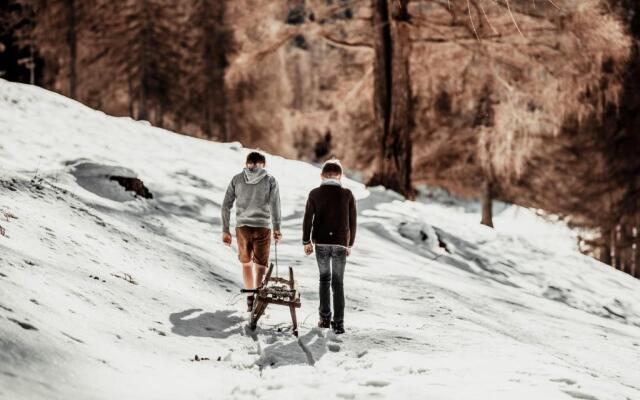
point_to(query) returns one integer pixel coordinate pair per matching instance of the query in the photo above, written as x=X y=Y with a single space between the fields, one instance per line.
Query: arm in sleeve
x=353 y=219
x=307 y=221
x=227 y=204
x=274 y=201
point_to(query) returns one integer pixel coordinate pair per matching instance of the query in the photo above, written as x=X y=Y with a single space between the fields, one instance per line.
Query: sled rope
x=275 y=244
x=233 y=299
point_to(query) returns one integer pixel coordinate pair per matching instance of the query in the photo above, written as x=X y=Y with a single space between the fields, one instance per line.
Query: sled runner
x=281 y=292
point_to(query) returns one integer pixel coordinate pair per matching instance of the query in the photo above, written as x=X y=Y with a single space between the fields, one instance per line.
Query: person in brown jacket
x=329 y=223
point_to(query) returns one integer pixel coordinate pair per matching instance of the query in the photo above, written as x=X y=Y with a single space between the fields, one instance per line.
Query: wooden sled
x=281 y=292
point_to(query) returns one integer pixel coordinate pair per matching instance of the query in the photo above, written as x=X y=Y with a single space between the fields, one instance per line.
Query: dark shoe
x=324 y=322
x=338 y=329
x=250 y=302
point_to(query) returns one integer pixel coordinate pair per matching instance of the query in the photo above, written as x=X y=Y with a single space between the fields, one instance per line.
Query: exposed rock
x=134 y=185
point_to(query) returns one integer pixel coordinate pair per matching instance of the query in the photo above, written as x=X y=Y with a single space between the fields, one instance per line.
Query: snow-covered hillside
x=106 y=296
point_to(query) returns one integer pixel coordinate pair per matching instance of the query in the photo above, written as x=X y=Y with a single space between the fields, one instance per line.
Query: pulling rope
x=275 y=244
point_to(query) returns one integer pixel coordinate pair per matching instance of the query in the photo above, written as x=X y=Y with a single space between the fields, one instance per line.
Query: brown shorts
x=253 y=244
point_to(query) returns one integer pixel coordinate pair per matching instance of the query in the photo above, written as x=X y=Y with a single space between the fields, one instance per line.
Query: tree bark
x=624 y=245
x=614 y=247
x=160 y=114
x=73 y=47
x=635 y=270
x=487 y=204
x=32 y=65
x=219 y=60
x=392 y=96
x=216 y=44
x=144 y=62
x=605 y=255
x=131 y=96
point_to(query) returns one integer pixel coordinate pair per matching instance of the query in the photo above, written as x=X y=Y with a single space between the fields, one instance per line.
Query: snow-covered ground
x=106 y=296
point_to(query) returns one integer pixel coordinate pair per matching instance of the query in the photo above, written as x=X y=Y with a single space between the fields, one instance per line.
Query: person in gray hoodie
x=257 y=198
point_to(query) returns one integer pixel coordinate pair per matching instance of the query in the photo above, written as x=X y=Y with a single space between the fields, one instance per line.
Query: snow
x=107 y=296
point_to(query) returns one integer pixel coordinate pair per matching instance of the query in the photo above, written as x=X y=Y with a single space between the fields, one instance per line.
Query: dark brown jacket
x=330 y=216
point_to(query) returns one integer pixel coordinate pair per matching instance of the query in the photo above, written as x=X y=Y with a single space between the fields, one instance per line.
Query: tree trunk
x=208 y=125
x=160 y=114
x=131 y=96
x=635 y=270
x=624 y=246
x=392 y=96
x=605 y=255
x=216 y=56
x=32 y=64
x=73 y=47
x=487 y=204
x=614 y=247
x=144 y=62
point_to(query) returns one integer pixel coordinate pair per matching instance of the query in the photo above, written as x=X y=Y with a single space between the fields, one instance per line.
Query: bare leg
x=260 y=271
x=247 y=275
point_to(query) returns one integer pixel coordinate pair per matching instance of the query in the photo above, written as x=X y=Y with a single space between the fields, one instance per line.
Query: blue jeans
x=331 y=262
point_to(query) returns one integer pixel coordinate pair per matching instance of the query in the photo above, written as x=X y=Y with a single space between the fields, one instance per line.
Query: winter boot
x=250 y=300
x=338 y=328
x=324 y=321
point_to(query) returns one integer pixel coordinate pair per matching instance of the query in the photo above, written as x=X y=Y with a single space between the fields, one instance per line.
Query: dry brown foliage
x=536 y=96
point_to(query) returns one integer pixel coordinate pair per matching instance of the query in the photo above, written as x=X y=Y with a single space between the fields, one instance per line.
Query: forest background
x=535 y=103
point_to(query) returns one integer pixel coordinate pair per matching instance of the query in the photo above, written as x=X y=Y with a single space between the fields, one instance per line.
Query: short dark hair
x=331 y=169
x=255 y=157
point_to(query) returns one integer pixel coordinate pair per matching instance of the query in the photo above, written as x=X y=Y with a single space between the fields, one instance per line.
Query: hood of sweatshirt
x=331 y=182
x=253 y=176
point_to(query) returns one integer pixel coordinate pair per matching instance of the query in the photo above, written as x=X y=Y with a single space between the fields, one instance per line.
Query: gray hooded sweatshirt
x=257 y=200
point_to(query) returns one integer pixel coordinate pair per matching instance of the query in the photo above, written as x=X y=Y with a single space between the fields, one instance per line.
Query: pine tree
x=138 y=49
x=52 y=30
x=209 y=44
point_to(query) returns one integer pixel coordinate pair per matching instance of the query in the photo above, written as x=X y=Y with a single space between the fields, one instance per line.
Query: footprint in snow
x=23 y=325
x=564 y=380
x=159 y=332
x=333 y=337
x=271 y=340
x=75 y=339
x=376 y=383
x=6 y=308
x=362 y=354
x=9 y=374
x=333 y=347
x=580 y=395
